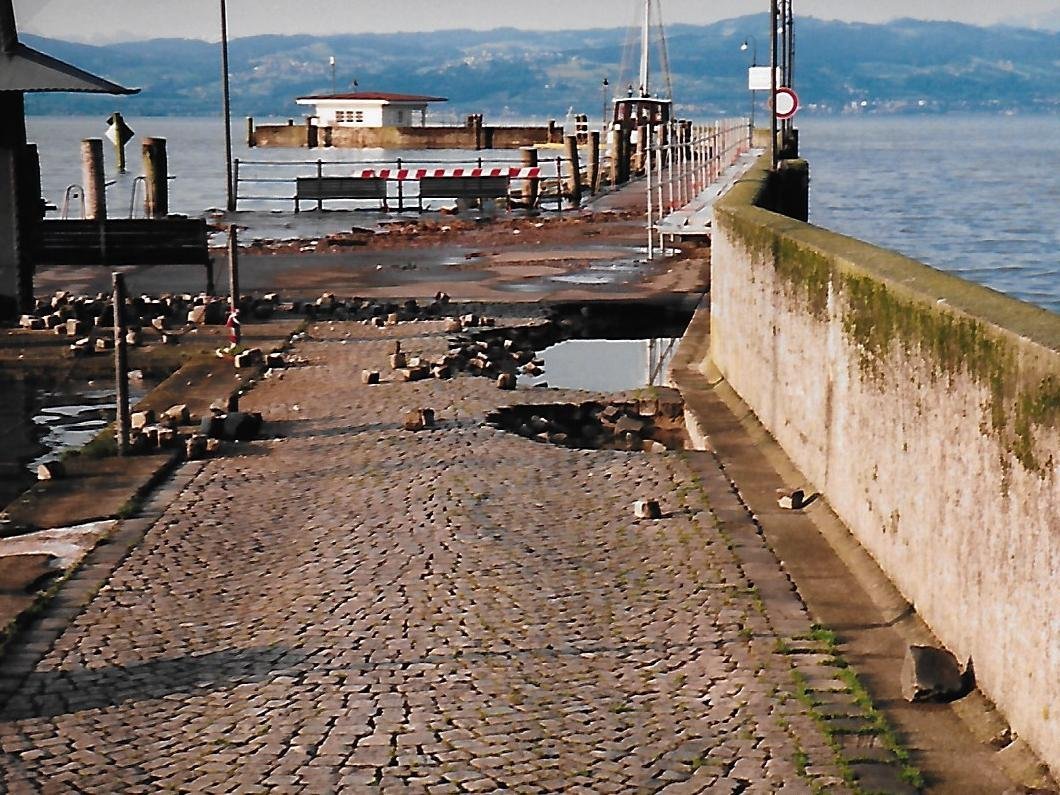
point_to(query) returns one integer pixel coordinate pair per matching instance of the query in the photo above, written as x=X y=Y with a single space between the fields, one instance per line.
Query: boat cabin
x=370 y=109
x=632 y=112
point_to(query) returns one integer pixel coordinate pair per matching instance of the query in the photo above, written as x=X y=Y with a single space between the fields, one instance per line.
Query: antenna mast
x=645 y=51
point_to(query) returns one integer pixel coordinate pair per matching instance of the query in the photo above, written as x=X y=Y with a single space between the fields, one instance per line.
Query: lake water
x=977 y=196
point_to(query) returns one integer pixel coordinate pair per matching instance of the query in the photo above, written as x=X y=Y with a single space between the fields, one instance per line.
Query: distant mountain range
x=906 y=66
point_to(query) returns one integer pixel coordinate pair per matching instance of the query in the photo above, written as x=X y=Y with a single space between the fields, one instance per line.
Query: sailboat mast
x=645 y=51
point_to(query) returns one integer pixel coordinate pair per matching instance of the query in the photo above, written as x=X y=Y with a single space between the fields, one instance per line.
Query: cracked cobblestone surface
x=352 y=607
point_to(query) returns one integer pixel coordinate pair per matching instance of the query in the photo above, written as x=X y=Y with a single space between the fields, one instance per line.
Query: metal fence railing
x=681 y=161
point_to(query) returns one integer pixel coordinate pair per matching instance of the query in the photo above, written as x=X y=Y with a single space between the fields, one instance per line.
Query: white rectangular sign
x=758 y=78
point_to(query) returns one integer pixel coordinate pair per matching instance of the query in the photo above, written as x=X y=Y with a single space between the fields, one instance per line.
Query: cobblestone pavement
x=347 y=606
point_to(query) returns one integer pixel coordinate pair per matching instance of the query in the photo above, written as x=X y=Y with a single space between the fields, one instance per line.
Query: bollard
x=531 y=187
x=574 y=184
x=156 y=178
x=594 y=161
x=93 y=179
x=121 y=366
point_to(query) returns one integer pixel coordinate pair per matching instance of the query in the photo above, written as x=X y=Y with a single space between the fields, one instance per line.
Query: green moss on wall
x=881 y=320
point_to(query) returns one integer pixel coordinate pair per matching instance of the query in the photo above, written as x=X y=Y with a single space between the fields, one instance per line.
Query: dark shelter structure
x=23 y=70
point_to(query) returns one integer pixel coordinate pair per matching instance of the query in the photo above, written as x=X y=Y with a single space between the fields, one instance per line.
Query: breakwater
x=926 y=410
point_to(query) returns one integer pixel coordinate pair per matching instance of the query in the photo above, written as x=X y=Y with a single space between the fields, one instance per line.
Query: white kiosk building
x=370 y=109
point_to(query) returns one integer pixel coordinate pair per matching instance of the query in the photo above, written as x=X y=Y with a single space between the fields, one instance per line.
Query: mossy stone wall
x=927 y=410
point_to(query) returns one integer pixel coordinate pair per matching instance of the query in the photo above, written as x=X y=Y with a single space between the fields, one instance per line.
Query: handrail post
x=121 y=367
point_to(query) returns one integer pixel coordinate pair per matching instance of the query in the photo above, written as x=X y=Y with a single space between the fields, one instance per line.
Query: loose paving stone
x=345 y=606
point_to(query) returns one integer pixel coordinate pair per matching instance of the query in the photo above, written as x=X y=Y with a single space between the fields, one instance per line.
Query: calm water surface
x=977 y=196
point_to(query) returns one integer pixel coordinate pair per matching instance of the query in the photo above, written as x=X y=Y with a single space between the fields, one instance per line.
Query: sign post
x=786 y=103
x=119 y=133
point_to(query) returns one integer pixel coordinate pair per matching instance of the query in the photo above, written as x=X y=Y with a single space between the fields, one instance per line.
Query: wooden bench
x=469 y=188
x=319 y=189
x=126 y=241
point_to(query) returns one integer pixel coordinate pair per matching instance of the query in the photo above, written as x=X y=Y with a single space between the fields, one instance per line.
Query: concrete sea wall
x=926 y=410
x=412 y=138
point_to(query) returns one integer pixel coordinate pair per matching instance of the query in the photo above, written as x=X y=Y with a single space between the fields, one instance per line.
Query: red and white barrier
x=406 y=174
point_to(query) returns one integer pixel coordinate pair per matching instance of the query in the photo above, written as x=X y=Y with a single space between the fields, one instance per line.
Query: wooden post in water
x=233 y=268
x=594 y=161
x=575 y=183
x=252 y=140
x=121 y=366
x=532 y=186
x=156 y=178
x=614 y=138
x=92 y=176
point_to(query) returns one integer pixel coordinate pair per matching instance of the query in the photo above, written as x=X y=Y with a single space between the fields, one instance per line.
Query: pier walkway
x=349 y=606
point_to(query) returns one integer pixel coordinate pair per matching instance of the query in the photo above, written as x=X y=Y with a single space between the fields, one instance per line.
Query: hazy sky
x=110 y=20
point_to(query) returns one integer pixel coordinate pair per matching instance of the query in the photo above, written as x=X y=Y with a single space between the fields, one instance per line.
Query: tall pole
x=121 y=366
x=229 y=186
x=645 y=52
x=773 y=80
x=334 y=85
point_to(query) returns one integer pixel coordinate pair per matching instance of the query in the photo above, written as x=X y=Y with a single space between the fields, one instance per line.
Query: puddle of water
x=39 y=422
x=601 y=273
x=605 y=365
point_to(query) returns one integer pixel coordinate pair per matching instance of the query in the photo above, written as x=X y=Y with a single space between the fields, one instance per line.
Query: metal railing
x=275 y=181
x=681 y=161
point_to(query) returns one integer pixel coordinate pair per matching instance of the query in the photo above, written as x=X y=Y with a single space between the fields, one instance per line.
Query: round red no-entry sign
x=787 y=103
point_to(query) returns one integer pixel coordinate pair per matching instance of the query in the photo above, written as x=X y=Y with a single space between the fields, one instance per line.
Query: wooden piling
x=233 y=268
x=531 y=187
x=93 y=179
x=121 y=366
x=594 y=161
x=615 y=146
x=640 y=156
x=119 y=146
x=156 y=178
x=574 y=184
x=252 y=139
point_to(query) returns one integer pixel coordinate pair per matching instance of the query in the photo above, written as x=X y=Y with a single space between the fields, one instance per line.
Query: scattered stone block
x=248 y=358
x=275 y=361
x=419 y=419
x=104 y=344
x=31 y=322
x=195 y=447
x=51 y=470
x=213 y=446
x=134 y=337
x=53 y=321
x=170 y=338
x=398 y=361
x=370 y=377
x=630 y=425
x=141 y=419
x=453 y=326
x=60 y=331
x=197 y=315
x=177 y=415
x=160 y=323
x=241 y=425
x=647 y=509
x=506 y=381
x=652 y=446
x=166 y=437
x=931 y=674
x=212 y=427
x=393 y=319
x=795 y=501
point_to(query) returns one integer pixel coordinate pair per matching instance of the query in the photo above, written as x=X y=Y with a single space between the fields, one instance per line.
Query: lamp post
x=226 y=90
x=604 y=86
x=773 y=81
x=752 y=43
x=334 y=89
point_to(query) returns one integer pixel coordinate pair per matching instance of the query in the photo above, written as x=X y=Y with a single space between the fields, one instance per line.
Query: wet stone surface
x=349 y=606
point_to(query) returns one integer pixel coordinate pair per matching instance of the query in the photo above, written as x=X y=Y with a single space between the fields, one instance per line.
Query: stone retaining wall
x=412 y=138
x=927 y=411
